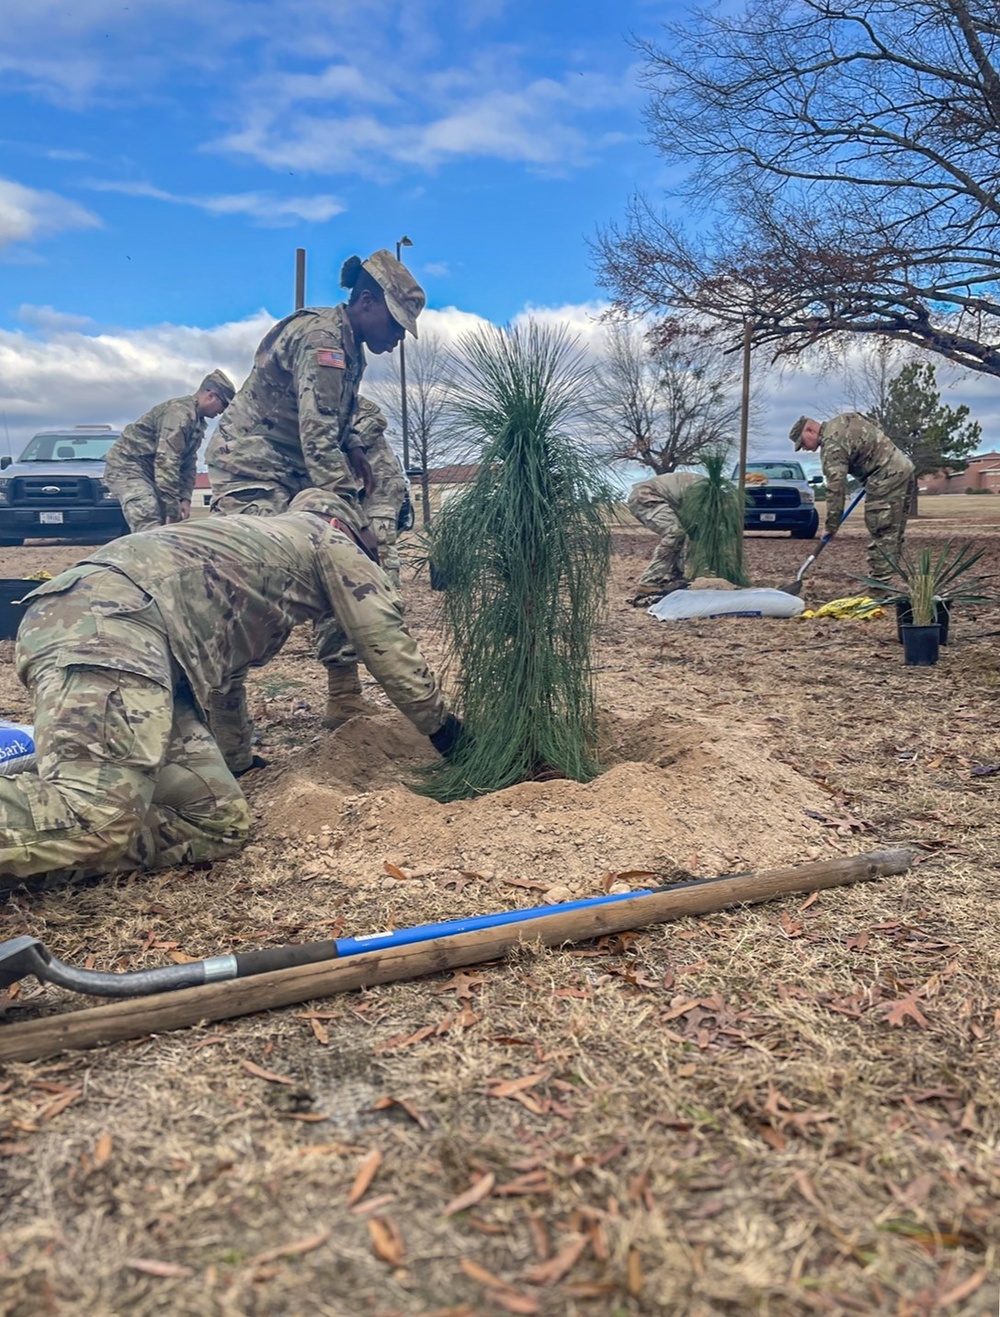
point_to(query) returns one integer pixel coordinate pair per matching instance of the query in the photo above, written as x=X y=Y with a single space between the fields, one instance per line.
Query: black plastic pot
x=438 y=579
x=11 y=612
x=942 y=613
x=920 y=645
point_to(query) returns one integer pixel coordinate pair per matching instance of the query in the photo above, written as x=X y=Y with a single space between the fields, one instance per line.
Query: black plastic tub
x=904 y=617
x=11 y=612
x=920 y=645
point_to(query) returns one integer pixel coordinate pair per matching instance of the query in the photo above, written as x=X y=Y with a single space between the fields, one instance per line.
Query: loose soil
x=785 y=1109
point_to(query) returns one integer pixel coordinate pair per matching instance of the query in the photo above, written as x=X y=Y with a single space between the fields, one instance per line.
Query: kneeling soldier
x=123 y=651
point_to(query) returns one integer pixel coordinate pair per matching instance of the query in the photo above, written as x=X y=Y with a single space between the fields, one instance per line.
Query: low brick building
x=982 y=475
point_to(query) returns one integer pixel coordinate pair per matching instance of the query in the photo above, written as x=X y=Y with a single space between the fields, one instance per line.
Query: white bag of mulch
x=686 y=604
x=17 y=747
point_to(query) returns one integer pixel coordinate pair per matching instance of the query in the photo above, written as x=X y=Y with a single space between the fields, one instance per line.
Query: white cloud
x=27 y=214
x=48 y=320
x=62 y=374
x=268 y=210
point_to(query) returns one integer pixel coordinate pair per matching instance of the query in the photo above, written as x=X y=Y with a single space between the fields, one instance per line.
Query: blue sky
x=183 y=150
x=160 y=161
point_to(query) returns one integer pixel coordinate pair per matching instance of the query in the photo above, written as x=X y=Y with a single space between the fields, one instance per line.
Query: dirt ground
x=784 y=1109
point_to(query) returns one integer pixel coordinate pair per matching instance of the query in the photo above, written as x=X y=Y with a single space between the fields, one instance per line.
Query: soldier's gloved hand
x=362 y=469
x=446 y=738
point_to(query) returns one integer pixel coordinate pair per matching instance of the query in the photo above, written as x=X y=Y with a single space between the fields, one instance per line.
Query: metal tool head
x=19 y=957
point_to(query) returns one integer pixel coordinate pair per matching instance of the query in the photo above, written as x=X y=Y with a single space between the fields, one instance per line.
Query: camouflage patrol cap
x=403 y=295
x=795 y=433
x=220 y=384
x=328 y=504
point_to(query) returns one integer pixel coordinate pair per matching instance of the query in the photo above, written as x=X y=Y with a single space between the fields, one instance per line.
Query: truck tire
x=809 y=531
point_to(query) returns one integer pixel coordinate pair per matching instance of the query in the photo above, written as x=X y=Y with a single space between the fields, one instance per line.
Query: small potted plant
x=929 y=585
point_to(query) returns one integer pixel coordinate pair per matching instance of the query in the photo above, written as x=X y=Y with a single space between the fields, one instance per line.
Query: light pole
x=404 y=242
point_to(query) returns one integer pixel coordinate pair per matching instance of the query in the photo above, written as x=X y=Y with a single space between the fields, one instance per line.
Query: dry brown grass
x=790 y=1109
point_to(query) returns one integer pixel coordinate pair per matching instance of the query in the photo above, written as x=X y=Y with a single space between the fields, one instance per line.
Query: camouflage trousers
x=666 y=567
x=886 y=505
x=128 y=775
x=230 y=717
x=141 y=506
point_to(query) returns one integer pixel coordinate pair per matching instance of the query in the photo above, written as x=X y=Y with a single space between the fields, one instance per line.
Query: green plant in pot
x=928 y=584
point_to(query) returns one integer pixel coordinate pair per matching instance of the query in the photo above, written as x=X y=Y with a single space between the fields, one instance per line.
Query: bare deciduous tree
x=427 y=367
x=851 y=156
x=662 y=401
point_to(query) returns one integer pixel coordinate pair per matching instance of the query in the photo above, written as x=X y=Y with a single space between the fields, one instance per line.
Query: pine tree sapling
x=711 y=512
x=525 y=549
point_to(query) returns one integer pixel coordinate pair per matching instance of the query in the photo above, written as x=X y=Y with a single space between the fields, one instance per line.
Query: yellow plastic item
x=861 y=607
x=39 y=576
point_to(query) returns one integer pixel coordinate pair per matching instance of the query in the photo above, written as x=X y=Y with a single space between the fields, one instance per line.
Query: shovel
x=795 y=586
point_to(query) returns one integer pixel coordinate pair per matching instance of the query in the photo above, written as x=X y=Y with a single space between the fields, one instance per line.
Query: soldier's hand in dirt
x=448 y=736
x=362 y=469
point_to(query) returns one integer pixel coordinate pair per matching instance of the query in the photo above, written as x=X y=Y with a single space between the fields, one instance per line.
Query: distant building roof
x=201 y=480
x=456 y=474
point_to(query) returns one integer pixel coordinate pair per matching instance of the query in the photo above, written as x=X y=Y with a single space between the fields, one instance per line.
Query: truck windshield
x=778 y=470
x=69 y=447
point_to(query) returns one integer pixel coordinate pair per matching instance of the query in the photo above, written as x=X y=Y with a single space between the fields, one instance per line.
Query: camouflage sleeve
x=189 y=470
x=390 y=484
x=319 y=368
x=173 y=445
x=371 y=613
x=835 y=460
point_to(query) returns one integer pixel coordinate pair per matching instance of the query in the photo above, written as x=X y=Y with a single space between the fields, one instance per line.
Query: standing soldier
x=122 y=652
x=382 y=507
x=851 y=444
x=150 y=468
x=651 y=502
x=290 y=428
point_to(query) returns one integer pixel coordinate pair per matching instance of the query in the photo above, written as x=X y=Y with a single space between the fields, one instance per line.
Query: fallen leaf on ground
x=293 y=1250
x=395 y=871
x=965 y=1290
x=385 y=1103
x=480 y=1190
x=906 y=1008
x=502 y=1088
x=387 y=1242
x=260 y=1073
x=102 y=1150
x=153 y=1267
x=366 y=1173
x=56 y=1108
x=552 y=1271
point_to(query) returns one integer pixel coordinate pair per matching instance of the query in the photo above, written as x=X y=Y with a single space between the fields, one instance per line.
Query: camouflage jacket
x=852 y=445
x=290 y=420
x=384 y=502
x=161 y=448
x=230 y=590
x=660 y=489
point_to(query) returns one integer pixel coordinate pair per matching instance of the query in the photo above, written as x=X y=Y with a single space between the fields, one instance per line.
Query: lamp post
x=403 y=242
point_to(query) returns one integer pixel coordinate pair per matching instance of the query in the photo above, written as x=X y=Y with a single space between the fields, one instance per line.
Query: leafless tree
x=662 y=400
x=426 y=405
x=850 y=154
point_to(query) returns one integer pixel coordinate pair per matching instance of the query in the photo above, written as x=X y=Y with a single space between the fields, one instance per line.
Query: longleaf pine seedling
x=712 y=512
x=525 y=552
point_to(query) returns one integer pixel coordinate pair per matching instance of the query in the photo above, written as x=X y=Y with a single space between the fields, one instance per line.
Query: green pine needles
x=711 y=512
x=525 y=551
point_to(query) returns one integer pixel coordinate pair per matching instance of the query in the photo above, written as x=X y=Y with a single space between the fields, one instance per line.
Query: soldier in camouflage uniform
x=150 y=468
x=650 y=503
x=290 y=427
x=123 y=651
x=851 y=444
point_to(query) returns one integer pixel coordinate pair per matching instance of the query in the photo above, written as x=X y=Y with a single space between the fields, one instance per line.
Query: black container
x=438 y=579
x=942 y=613
x=11 y=612
x=920 y=645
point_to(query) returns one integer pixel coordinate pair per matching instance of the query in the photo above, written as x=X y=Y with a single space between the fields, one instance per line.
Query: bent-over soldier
x=290 y=425
x=650 y=503
x=150 y=468
x=853 y=445
x=122 y=653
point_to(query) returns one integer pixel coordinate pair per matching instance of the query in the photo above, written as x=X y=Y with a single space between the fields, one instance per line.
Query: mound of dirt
x=694 y=794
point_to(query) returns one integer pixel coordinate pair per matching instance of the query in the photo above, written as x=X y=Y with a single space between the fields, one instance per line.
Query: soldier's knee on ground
x=196 y=815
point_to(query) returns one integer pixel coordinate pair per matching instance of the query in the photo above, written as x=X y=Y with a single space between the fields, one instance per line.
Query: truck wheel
x=809 y=531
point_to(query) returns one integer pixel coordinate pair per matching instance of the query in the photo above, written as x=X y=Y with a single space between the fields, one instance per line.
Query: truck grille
x=774 y=496
x=51 y=491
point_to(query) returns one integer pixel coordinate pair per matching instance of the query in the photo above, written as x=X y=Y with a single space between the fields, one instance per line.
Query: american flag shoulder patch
x=330 y=357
